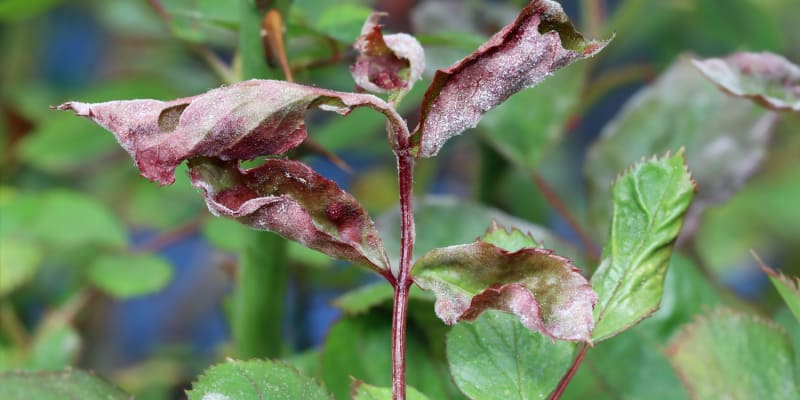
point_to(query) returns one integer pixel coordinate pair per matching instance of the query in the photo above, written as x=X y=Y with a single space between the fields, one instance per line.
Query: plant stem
x=405 y=172
x=565 y=380
x=259 y=296
x=555 y=201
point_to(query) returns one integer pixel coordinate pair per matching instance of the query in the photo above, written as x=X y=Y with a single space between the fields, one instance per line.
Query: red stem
x=565 y=380
x=405 y=172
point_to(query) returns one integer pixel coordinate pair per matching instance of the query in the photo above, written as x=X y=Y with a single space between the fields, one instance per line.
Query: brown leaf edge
x=289 y=198
x=455 y=304
x=547 y=28
x=765 y=66
x=386 y=63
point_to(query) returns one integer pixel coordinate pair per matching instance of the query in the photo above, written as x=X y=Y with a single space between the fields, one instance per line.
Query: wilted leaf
x=128 y=275
x=237 y=122
x=788 y=287
x=540 y=41
x=255 y=380
x=497 y=358
x=391 y=63
x=544 y=290
x=725 y=140
x=730 y=355
x=766 y=78
x=649 y=203
x=363 y=391
x=68 y=384
x=19 y=261
x=289 y=198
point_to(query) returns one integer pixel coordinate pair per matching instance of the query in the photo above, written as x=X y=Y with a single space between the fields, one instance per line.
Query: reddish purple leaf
x=390 y=63
x=291 y=199
x=237 y=122
x=540 y=41
x=544 y=290
x=768 y=79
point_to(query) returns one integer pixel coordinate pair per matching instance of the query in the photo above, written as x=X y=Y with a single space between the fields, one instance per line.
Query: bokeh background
x=103 y=270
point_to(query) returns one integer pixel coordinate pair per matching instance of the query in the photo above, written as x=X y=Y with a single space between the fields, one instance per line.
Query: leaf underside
x=545 y=291
x=649 y=202
x=540 y=41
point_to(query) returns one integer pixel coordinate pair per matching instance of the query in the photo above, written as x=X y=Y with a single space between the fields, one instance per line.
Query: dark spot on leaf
x=169 y=117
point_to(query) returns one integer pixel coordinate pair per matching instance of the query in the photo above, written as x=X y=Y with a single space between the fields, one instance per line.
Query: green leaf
x=735 y=356
x=364 y=298
x=766 y=78
x=725 y=139
x=495 y=357
x=788 y=287
x=166 y=207
x=56 y=345
x=544 y=290
x=68 y=384
x=201 y=20
x=255 y=380
x=649 y=203
x=359 y=347
x=524 y=127
x=225 y=233
x=70 y=220
x=130 y=275
x=363 y=391
x=19 y=261
x=342 y=21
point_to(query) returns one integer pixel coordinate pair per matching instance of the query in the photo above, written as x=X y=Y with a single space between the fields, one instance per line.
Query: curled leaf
x=540 y=41
x=388 y=63
x=289 y=198
x=237 y=122
x=544 y=290
x=766 y=78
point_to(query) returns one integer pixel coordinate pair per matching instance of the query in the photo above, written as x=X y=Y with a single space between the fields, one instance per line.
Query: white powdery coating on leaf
x=517 y=57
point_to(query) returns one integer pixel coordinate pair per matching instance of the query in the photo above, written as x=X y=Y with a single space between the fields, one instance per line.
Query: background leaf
x=495 y=357
x=363 y=391
x=69 y=384
x=19 y=261
x=649 y=203
x=733 y=355
x=725 y=139
x=788 y=287
x=128 y=275
x=255 y=380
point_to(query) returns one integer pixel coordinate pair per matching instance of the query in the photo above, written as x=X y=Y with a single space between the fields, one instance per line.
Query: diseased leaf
x=391 y=63
x=731 y=355
x=649 y=203
x=364 y=391
x=725 y=140
x=237 y=122
x=766 y=78
x=540 y=41
x=788 y=287
x=125 y=276
x=544 y=290
x=255 y=380
x=289 y=198
x=497 y=358
x=68 y=384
